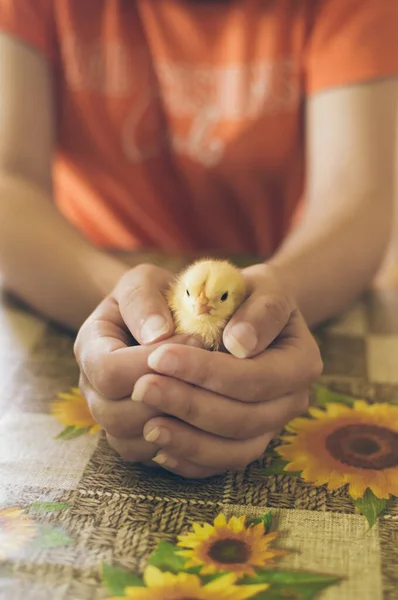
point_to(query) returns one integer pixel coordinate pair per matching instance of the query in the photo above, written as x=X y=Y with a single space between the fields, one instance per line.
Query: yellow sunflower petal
x=381 y=489
x=299 y=424
x=154 y=577
x=95 y=429
x=360 y=405
x=197 y=528
x=136 y=593
x=386 y=415
x=334 y=409
x=184 y=552
x=193 y=562
x=357 y=489
x=249 y=591
x=241 y=592
x=317 y=413
x=334 y=480
x=72 y=410
x=270 y=537
x=220 y=521
x=210 y=569
x=317 y=476
x=188 y=543
x=237 y=524
x=257 y=532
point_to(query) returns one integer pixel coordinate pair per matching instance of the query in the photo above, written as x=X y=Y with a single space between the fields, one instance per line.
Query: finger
x=109 y=364
x=106 y=325
x=142 y=304
x=256 y=324
x=217 y=414
x=135 y=451
x=185 y=468
x=182 y=441
x=283 y=368
x=123 y=419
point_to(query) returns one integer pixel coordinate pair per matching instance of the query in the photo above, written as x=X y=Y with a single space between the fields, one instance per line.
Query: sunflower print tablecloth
x=316 y=517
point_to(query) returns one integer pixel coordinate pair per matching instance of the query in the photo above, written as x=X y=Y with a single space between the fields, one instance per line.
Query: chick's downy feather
x=204 y=297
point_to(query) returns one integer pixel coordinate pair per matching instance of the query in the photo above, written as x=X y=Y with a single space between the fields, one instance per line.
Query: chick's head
x=212 y=290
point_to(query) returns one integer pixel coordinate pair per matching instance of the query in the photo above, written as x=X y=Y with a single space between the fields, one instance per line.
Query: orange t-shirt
x=181 y=121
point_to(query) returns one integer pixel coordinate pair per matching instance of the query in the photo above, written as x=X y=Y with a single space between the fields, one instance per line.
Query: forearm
x=45 y=261
x=329 y=259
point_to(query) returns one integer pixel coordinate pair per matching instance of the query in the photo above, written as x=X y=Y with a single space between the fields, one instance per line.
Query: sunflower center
x=364 y=446
x=229 y=551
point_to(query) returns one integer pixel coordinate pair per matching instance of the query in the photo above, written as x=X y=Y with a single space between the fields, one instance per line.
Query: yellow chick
x=204 y=297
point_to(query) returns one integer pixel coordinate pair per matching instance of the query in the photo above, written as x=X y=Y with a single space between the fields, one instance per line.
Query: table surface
x=69 y=506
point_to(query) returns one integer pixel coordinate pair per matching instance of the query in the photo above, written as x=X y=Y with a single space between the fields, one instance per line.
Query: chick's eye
x=224 y=296
x=188 y=294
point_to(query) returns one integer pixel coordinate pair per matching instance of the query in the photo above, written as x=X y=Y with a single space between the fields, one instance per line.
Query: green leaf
x=116 y=580
x=165 y=558
x=281 y=592
x=71 y=432
x=325 y=396
x=370 y=506
x=266 y=519
x=291 y=585
x=45 y=507
x=277 y=468
x=65 y=432
x=50 y=537
x=291 y=578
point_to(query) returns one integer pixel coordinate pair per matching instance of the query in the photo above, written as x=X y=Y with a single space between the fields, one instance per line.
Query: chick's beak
x=202 y=309
x=202 y=305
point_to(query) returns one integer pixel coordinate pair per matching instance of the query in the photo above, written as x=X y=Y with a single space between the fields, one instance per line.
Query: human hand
x=223 y=411
x=111 y=362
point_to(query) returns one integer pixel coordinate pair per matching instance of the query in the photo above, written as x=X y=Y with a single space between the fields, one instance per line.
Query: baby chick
x=204 y=297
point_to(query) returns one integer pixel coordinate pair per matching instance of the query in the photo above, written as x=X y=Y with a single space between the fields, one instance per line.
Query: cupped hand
x=111 y=361
x=221 y=410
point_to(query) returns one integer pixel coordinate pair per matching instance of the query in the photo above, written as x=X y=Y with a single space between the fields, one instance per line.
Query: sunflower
x=183 y=586
x=343 y=445
x=16 y=531
x=231 y=546
x=72 y=411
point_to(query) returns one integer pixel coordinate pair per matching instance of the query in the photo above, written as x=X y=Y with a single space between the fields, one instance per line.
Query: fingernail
x=162 y=459
x=158 y=435
x=139 y=391
x=163 y=361
x=148 y=393
x=242 y=340
x=154 y=327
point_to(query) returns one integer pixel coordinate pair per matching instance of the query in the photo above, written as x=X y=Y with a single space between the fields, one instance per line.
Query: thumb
x=142 y=304
x=256 y=324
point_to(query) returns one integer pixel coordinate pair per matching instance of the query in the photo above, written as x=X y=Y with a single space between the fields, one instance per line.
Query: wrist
x=105 y=272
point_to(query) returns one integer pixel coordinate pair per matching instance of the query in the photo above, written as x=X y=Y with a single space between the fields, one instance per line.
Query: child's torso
x=181 y=121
